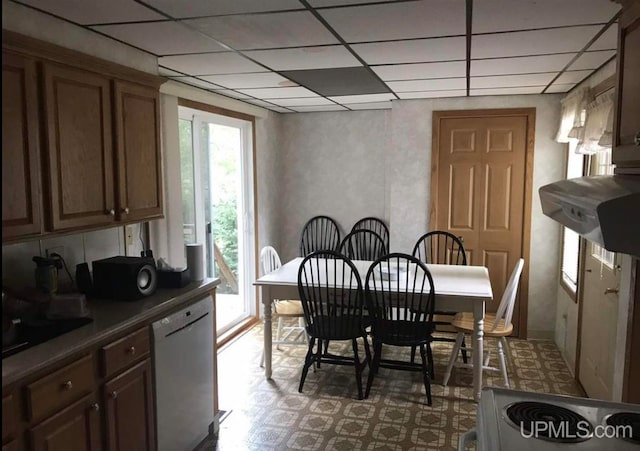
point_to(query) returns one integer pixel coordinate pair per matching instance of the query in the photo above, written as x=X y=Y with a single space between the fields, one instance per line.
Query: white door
x=601 y=277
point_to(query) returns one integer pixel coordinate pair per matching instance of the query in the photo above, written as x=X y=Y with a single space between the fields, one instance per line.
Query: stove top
x=511 y=419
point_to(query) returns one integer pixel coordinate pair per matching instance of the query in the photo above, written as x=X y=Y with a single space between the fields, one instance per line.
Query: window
x=601 y=165
x=570 y=239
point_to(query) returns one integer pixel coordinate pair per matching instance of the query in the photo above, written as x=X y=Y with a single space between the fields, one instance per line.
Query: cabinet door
x=626 y=150
x=20 y=148
x=129 y=410
x=76 y=428
x=79 y=147
x=139 y=169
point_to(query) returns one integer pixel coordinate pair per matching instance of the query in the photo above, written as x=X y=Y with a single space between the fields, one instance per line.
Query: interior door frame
x=530 y=114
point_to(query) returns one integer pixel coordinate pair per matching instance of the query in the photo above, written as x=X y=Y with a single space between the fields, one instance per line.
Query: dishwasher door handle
x=189 y=324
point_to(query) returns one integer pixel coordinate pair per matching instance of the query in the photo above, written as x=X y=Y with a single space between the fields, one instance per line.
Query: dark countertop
x=109 y=318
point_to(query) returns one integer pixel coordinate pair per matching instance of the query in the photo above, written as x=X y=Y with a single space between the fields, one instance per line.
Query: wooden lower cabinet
x=76 y=428
x=130 y=420
x=11 y=446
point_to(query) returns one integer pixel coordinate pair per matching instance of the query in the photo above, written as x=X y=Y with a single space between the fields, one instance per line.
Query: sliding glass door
x=217 y=195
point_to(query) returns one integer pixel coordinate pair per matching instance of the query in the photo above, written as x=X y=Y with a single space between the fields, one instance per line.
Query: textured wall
x=332 y=164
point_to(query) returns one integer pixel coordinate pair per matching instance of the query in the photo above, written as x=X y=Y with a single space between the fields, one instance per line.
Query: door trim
x=530 y=114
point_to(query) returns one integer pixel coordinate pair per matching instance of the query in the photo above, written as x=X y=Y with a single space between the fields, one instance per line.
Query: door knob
x=611 y=290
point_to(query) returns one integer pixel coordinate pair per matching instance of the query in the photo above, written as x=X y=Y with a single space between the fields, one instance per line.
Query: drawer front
x=8 y=416
x=59 y=389
x=124 y=352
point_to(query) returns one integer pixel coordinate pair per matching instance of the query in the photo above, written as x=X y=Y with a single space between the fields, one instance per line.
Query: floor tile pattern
x=272 y=415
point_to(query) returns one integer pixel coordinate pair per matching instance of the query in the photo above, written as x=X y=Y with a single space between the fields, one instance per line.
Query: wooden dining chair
x=444 y=248
x=363 y=244
x=319 y=233
x=332 y=300
x=496 y=325
x=375 y=225
x=400 y=299
x=285 y=335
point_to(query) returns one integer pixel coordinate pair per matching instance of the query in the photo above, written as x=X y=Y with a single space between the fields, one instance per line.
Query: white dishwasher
x=183 y=367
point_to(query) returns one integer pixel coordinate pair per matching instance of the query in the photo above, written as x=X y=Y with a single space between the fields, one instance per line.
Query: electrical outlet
x=55 y=250
x=129 y=235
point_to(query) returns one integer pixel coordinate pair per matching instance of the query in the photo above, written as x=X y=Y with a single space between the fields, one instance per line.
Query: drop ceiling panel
x=263 y=31
x=195 y=8
x=403 y=20
x=416 y=51
x=278 y=93
x=365 y=98
x=539 y=42
x=165 y=71
x=564 y=87
x=592 y=60
x=573 y=76
x=261 y=103
x=280 y=109
x=324 y=3
x=259 y=80
x=504 y=81
x=421 y=71
x=305 y=58
x=338 y=81
x=428 y=85
x=505 y=15
x=97 y=11
x=432 y=94
x=195 y=82
x=521 y=65
x=369 y=106
x=230 y=93
x=210 y=64
x=162 y=38
x=608 y=40
x=306 y=101
x=507 y=91
x=309 y=109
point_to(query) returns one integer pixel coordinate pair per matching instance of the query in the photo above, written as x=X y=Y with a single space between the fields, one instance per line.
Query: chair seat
x=337 y=327
x=402 y=333
x=289 y=308
x=464 y=323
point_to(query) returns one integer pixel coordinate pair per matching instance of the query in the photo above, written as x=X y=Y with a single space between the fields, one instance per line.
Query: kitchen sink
x=32 y=332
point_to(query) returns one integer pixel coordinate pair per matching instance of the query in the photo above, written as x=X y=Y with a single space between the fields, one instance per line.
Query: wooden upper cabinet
x=79 y=147
x=137 y=116
x=21 y=202
x=626 y=149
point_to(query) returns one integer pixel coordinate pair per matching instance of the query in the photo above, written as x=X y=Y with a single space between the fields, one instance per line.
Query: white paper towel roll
x=195 y=261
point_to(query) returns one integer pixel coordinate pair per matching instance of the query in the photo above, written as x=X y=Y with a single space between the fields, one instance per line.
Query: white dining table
x=457 y=288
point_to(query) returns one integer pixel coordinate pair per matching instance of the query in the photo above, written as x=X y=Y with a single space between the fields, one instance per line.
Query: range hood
x=604 y=209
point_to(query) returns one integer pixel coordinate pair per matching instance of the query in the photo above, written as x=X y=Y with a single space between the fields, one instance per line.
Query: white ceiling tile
x=316 y=108
x=259 y=102
x=521 y=64
x=539 y=42
x=195 y=82
x=210 y=64
x=363 y=98
x=505 y=81
x=404 y=20
x=230 y=93
x=162 y=38
x=305 y=58
x=370 y=106
x=421 y=71
x=168 y=72
x=592 y=60
x=323 y=3
x=608 y=40
x=303 y=101
x=87 y=12
x=263 y=31
x=280 y=109
x=505 y=15
x=195 y=8
x=259 y=80
x=416 y=51
x=279 y=93
x=507 y=91
x=428 y=85
x=573 y=76
x=432 y=94
x=564 y=87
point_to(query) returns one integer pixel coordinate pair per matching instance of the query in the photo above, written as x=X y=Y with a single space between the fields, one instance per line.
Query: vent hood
x=604 y=209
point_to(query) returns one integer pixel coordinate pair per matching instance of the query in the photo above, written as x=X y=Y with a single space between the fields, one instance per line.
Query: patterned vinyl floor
x=272 y=415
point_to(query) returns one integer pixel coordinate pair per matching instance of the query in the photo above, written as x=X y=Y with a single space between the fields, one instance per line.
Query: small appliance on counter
x=518 y=420
x=170 y=277
x=124 y=278
x=46 y=274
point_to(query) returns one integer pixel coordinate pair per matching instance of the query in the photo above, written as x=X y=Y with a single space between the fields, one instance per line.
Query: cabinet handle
x=112 y=212
x=132 y=350
x=636 y=139
x=611 y=290
x=95 y=406
x=67 y=385
x=125 y=210
x=113 y=394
